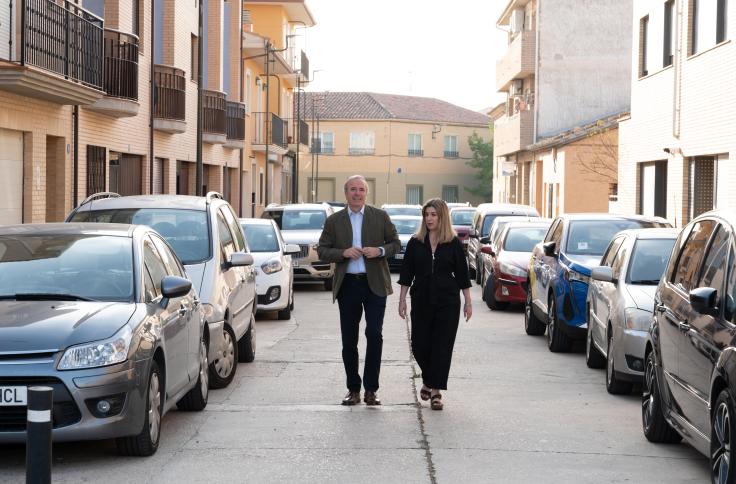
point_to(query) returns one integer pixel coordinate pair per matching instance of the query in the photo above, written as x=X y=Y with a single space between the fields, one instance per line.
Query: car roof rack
x=99 y=196
x=214 y=196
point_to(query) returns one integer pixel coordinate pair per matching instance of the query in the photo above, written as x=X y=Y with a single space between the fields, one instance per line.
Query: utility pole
x=268 y=119
x=200 y=77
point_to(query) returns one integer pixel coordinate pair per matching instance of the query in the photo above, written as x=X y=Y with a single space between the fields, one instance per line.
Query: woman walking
x=435 y=268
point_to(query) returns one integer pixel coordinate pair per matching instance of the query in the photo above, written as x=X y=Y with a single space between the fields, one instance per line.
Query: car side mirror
x=173 y=287
x=290 y=249
x=240 y=259
x=603 y=274
x=704 y=299
x=485 y=240
x=488 y=250
x=549 y=248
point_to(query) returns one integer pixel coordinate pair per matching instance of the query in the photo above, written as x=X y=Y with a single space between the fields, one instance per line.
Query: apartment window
x=669 y=30
x=260 y=187
x=194 y=58
x=97 y=7
x=694 y=30
x=702 y=185
x=415 y=194
x=613 y=192
x=450 y=193
x=362 y=143
x=415 y=145
x=643 y=46
x=324 y=143
x=721 y=21
x=653 y=188
x=158 y=25
x=451 y=147
x=96 y=166
x=136 y=27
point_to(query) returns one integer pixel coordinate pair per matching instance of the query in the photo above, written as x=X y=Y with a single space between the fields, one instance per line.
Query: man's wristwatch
x=383 y=251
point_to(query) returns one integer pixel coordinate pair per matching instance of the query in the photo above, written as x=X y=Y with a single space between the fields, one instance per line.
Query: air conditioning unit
x=516 y=21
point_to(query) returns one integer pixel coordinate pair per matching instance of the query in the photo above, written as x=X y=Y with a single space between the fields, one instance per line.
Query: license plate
x=13 y=396
x=399 y=256
x=296 y=263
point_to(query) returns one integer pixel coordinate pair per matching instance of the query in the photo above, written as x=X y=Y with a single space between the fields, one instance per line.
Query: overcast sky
x=446 y=50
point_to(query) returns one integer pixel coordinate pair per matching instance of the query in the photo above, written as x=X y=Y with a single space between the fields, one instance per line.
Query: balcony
x=518 y=62
x=214 y=117
x=361 y=151
x=121 y=76
x=302 y=133
x=269 y=132
x=513 y=133
x=451 y=154
x=412 y=152
x=55 y=52
x=169 y=99
x=235 y=125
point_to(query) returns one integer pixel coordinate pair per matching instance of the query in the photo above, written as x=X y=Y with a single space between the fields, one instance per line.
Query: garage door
x=11 y=186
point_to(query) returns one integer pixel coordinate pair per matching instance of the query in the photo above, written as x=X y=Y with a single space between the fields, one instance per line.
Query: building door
x=125 y=174
x=653 y=188
x=158 y=176
x=11 y=167
x=182 y=177
x=415 y=194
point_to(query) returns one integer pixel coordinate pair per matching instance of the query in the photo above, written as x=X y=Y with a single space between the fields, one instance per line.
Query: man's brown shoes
x=352 y=398
x=371 y=398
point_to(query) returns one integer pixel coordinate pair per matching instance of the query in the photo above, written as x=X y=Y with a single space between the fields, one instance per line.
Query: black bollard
x=38 y=440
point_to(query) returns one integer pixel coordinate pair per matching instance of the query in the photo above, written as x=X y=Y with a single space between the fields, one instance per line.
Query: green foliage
x=483 y=161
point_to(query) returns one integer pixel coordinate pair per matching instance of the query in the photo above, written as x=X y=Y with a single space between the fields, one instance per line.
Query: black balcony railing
x=169 y=94
x=235 y=120
x=62 y=38
x=213 y=112
x=451 y=154
x=361 y=151
x=121 y=65
x=269 y=122
x=303 y=133
x=298 y=128
x=416 y=152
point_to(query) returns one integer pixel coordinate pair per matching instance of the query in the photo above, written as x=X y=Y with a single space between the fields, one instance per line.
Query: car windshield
x=591 y=237
x=403 y=211
x=404 y=226
x=186 y=231
x=297 y=219
x=462 y=217
x=648 y=260
x=66 y=267
x=261 y=238
x=523 y=239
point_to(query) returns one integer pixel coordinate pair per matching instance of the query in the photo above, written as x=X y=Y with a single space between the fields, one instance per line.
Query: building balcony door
x=125 y=174
x=653 y=188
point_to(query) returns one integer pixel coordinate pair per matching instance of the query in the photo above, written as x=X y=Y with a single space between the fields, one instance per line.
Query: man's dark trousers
x=354 y=296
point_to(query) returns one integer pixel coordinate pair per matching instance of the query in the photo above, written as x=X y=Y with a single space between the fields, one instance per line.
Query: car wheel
x=291 y=304
x=723 y=430
x=593 y=357
x=284 y=313
x=328 y=284
x=222 y=368
x=654 y=425
x=247 y=344
x=613 y=384
x=532 y=324
x=489 y=290
x=196 y=399
x=146 y=442
x=557 y=341
x=478 y=275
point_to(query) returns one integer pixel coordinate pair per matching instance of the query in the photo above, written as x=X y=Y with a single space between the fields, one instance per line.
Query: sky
x=441 y=49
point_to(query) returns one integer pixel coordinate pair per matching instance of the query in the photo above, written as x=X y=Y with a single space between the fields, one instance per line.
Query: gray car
x=104 y=315
x=621 y=303
x=207 y=237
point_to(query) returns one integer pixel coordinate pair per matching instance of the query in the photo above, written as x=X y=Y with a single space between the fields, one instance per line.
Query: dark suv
x=690 y=369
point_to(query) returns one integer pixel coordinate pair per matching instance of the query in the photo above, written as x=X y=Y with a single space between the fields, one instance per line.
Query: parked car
x=301 y=224
x=689 y=372
x=462 y=221
x=272 y=260
x=485 y=214
x=336 y=206
x=621 y=303
x=406 y=227
x=205 y=234
x=452 y=205
x=507 y=263
x=401 y=209
x=105 y=316
x=560 y=269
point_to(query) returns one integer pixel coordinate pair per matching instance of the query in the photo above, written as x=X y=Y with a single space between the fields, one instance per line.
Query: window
x=702 y=185
x=643 y=46
x=96 y=167
x=653 y=188
x=194 y=58
x=135 y=4
x=607 y=259
x=721 y=22
x=172 y=265
x=324 y=143
x=154 y=264
x=234 y=227
x=415 y=145
x=362 y=143
x=260 y=187
x=714 y=268
x=730 y=306
x=227 y=244
x=450 y=193
x=688 y=262
x=97 y=7
x=694 y=30
x=414 y=194
x=708 y=24
x=669 y=31
x=451 y=147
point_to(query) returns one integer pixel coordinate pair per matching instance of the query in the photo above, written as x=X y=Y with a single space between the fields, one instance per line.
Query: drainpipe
x=200 y=53
x=242 y=100
x=268 y=121
x=677 y=91
x=75 y=135
x=151 y=96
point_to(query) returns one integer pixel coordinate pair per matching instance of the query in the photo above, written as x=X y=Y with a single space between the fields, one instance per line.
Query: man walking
x=358 y=239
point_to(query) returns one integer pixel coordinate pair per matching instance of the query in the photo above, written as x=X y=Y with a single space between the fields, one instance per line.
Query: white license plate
x=13 y=396
x=399 y=256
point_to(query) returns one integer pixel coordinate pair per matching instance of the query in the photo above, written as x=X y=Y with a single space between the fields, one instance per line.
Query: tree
x=483 y=161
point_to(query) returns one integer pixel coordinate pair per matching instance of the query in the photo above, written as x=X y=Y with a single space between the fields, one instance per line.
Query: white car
x=272 y=261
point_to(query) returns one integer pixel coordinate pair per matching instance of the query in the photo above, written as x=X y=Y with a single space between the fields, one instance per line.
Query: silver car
x=301 y=224
x=207 y=237
x=621 y=302
x=104 y=315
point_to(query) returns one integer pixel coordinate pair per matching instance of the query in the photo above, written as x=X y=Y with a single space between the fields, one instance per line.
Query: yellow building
x=409 y=148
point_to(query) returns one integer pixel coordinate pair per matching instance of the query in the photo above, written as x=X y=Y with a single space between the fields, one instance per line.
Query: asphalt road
x=514 y=412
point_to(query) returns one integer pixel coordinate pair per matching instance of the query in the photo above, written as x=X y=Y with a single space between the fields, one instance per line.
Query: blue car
x=559 y=273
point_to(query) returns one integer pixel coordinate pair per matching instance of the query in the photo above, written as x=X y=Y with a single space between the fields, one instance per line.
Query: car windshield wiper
x=44 y=296
x=646 y=282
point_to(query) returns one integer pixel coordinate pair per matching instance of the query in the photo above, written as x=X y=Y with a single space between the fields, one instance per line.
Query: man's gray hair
x=355 y=177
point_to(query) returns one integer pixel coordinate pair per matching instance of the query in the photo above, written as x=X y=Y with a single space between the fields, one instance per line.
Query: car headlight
x=572 y=275
x=269 y=267
x=100 y=353
x=511 y=270
x=638 y=319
